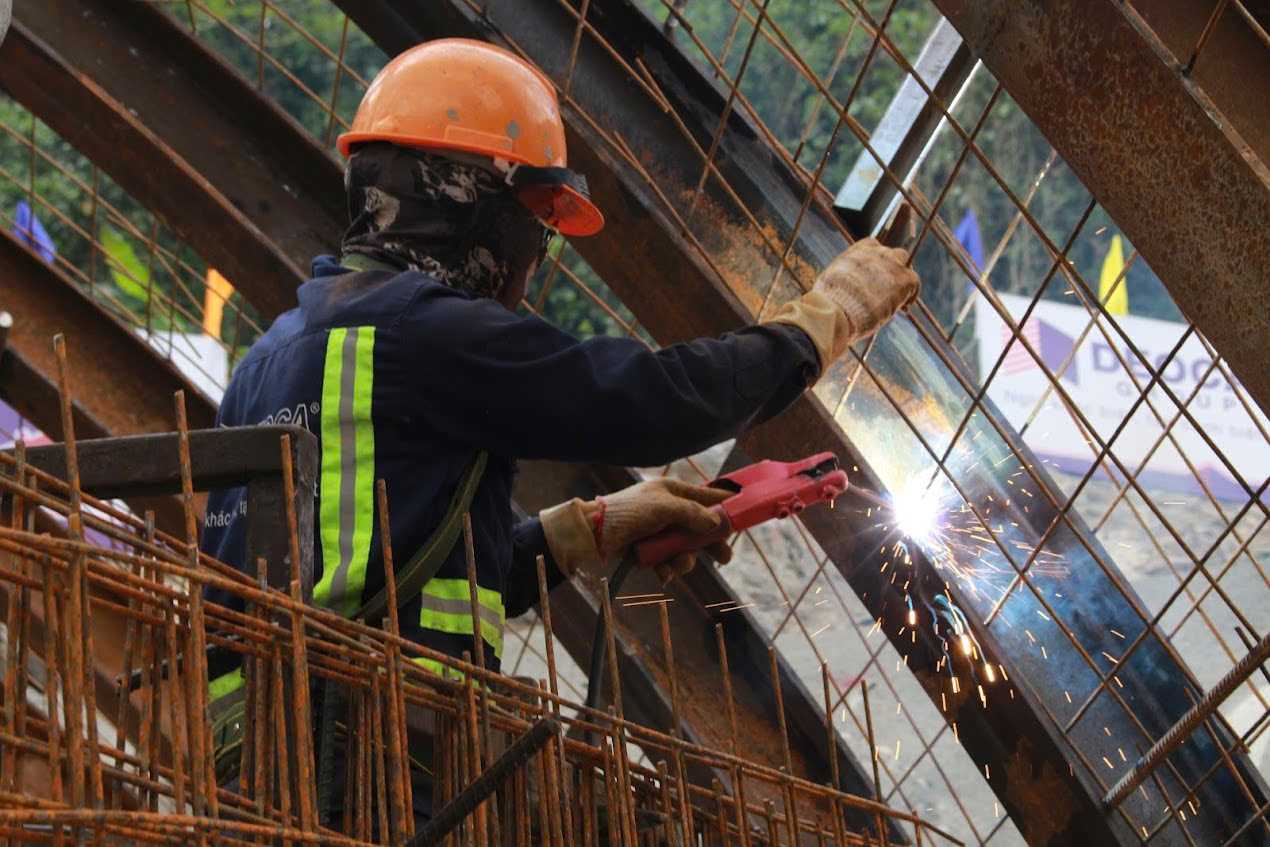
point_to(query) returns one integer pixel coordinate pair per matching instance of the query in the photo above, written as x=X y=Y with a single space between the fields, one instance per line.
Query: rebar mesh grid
x=1192 y=575
x=83 y=757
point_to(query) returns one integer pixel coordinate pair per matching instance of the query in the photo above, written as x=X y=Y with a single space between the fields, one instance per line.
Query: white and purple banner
x=1092 y=374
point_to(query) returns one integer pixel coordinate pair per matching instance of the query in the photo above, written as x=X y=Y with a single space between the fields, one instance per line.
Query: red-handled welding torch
x=763 y=491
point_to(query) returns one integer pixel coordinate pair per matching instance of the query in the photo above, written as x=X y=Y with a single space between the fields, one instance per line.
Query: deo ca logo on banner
x=1103 y=377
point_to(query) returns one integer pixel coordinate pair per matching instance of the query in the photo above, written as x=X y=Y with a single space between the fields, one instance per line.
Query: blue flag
x=967 y=233
x=30 y=231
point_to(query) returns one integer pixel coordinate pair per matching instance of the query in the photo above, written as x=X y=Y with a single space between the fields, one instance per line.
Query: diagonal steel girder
x=119 y=384
x=1043 y=754
x=1179 y=176
x=183 y=133
x=101 y=74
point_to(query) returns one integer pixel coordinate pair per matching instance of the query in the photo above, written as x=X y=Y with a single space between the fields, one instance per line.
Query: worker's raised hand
x=870 y=282
x=584 y=534
x=852 y=298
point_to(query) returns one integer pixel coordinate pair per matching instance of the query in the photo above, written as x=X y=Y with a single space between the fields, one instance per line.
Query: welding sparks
x=916 y=511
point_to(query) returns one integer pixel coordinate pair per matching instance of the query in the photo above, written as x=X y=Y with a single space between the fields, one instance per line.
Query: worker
x=407 y=360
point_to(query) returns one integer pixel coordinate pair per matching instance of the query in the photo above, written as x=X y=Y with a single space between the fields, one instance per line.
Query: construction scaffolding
x=1027 y=631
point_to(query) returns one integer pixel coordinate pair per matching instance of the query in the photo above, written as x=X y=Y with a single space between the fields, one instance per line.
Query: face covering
x=450 y=219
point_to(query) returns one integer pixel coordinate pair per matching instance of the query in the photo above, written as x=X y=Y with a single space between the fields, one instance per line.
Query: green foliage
x=234 y=29
x=126 y=267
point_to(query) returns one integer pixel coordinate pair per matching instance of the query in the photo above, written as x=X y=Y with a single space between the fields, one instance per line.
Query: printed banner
x=1092 y=370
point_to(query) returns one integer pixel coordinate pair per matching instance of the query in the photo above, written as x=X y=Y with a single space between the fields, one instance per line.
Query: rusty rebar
x=1182 y=729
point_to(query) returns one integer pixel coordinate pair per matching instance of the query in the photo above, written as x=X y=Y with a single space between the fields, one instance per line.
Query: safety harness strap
x=427 y=560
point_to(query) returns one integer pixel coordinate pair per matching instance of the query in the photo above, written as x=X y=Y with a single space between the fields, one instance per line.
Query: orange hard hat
x=469 y=96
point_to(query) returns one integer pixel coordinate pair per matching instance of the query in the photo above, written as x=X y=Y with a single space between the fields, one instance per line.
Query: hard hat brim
x=562 y=208
x=577 y=215
x=344 y=143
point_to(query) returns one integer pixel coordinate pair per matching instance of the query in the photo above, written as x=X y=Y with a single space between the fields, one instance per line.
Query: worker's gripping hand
x=853 y=298
x=589 y=533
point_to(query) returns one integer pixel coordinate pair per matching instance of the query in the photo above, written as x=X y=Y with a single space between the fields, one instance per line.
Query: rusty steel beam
x=184 y=134
x=1233 y=67
x=1044 y=777
x=261 y=225
x=1181 y=180
x=119 y=384
x=117 y=379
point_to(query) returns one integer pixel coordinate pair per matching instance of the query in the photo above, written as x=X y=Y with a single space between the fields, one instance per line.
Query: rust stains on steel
x=615 y=132
x=1228 y=60
x=1196 y=206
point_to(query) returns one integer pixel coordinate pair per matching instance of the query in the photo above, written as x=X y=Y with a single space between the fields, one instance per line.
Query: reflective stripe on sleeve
x=346 y=508
x=447 y=607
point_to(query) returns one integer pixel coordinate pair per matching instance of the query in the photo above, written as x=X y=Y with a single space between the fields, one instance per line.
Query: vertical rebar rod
x=53 y=675
x=779 y=700
x=280 y=730
x=669 y=654
x=262 y=771
x=831 y=739
x=873 y=754
x=9 y=755
x=725 y=674
x=399 y=761
x=195 y=669
x=377 y=744
x=305 y=782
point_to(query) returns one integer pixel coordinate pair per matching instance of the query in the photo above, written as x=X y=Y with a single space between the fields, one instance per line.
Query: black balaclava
x=452 y=220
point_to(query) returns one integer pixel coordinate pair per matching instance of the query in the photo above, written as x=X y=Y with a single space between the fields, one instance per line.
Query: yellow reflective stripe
x=446 y=606
x=458 y=623
x=364 y=466
x=346 y=509
x=225 y=684
x=329 y=480
x=458 y=589
x=433 y=666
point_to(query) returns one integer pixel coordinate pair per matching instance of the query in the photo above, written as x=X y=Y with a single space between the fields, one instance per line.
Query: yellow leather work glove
x=852 y=298
x=578 y=538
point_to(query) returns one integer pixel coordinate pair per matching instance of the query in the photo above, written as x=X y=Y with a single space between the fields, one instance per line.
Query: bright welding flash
x=916 y=513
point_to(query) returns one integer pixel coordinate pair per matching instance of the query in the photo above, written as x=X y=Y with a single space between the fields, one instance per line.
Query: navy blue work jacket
x=403 y=378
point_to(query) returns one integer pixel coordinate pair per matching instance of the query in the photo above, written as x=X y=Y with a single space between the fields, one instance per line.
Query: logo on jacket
x=298 y=416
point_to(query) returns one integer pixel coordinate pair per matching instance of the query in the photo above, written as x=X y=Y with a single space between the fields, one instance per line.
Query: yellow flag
x=214 y=299
x=1117 y=301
